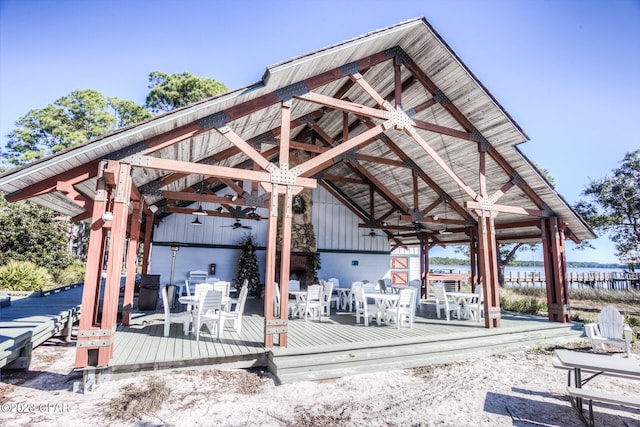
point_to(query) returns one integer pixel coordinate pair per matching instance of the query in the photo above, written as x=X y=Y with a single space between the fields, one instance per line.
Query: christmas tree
x=248 y=266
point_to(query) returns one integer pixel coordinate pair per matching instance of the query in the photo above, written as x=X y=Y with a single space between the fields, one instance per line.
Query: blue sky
x=566 y=71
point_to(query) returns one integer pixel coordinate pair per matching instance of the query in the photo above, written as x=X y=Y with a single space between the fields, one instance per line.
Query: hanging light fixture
x=446 y=227
x=196 y=222
x=199 y=211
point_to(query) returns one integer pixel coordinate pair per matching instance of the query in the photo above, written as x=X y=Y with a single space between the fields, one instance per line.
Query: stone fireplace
x=301 y=269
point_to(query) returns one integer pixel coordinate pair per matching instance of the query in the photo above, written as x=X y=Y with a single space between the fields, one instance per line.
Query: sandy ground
x=518 y=389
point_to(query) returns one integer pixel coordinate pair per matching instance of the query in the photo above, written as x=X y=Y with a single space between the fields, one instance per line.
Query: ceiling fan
x=237 y=225
x=373 y=234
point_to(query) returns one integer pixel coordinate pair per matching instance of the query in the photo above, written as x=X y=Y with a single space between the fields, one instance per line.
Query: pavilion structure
x=391 y=123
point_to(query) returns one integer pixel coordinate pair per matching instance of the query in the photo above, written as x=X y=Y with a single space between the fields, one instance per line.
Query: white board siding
x=336 y=230
x=199 y=258
x=370 y=267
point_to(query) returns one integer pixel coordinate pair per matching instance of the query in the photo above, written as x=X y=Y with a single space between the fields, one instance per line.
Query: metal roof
x=247 y=112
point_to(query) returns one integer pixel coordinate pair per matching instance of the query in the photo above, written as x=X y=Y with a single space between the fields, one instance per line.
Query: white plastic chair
x=335 y=298
x=208 y=313
x=443 y=302
x=294 y=309
x=350 y=296
x=221 y=286
x=403 y=309
x=313 y=302
x=294 y=285
x=369 y=288
x=169 y=317
x=610 y=330
x=235 y=314
x=417 y=285
x=195 y=277
x=363 y=308
x=327 y=297
x=476 y=307
x=382 y=286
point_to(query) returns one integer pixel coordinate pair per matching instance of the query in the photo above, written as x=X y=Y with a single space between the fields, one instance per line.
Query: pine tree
x=248 y=266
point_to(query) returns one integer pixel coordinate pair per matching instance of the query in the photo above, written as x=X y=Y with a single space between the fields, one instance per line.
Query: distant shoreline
x=443 y=261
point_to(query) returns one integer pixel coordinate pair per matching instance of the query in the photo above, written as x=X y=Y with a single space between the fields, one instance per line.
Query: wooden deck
x=28 y=322
x=331 y=348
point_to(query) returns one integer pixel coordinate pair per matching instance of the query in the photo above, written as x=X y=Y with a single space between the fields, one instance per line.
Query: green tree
x=612 y=206
x=32 y=233
x=170 y=91
x=73 y=119
x=127 y=112
x=248 y=266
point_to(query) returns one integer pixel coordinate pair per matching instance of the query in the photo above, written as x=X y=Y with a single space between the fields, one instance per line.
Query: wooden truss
x=281 y=174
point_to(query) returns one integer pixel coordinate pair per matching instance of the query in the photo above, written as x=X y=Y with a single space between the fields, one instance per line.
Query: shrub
x=24 y=276
x=73 y=273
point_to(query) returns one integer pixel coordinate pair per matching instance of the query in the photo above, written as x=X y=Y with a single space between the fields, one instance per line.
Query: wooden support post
x=270 y=273
x=555 y=266
x=122 y=195
x=473 y=251
x=132 y=263
x=489 y=269
x=93 y=274
x=424 y=266
x=111 y=210
x=148 y=236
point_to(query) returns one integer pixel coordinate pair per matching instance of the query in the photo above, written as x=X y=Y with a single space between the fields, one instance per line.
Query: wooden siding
x=336 y=231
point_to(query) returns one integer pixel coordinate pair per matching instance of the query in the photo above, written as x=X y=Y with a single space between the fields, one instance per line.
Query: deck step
x=334 y=362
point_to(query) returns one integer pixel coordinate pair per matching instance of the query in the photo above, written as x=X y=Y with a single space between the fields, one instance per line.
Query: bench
x=591 y=395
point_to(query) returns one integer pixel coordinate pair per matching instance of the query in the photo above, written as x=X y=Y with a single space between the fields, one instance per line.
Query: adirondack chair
x=609 y=330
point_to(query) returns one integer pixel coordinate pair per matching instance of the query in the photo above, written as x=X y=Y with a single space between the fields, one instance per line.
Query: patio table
x=463 y=299
x=597 y=364
x=301 y=297
x=384 y=302
x=344 y=297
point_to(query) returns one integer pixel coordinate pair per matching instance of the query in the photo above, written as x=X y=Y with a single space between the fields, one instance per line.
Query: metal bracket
x=416 y=215
x=275 y=330
x=215 y=120
x=494 y=313
x=276 y=322
x=127 y=151
x=94 y=343
x=441 y=98
x=350 y=68
x=486 y=203
x=289 y=202
x=547 y=212
x=398 y=54
x=559 y=309
x=151 y=188
x=283 y=175
x=274 y=201
x=397 y=118
x=295 y=89
x=123 y=196
x=478 y=137
x=256 y=200
x=516 y=179
x=264 y=138
x=96 y=332
x=350 y=155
